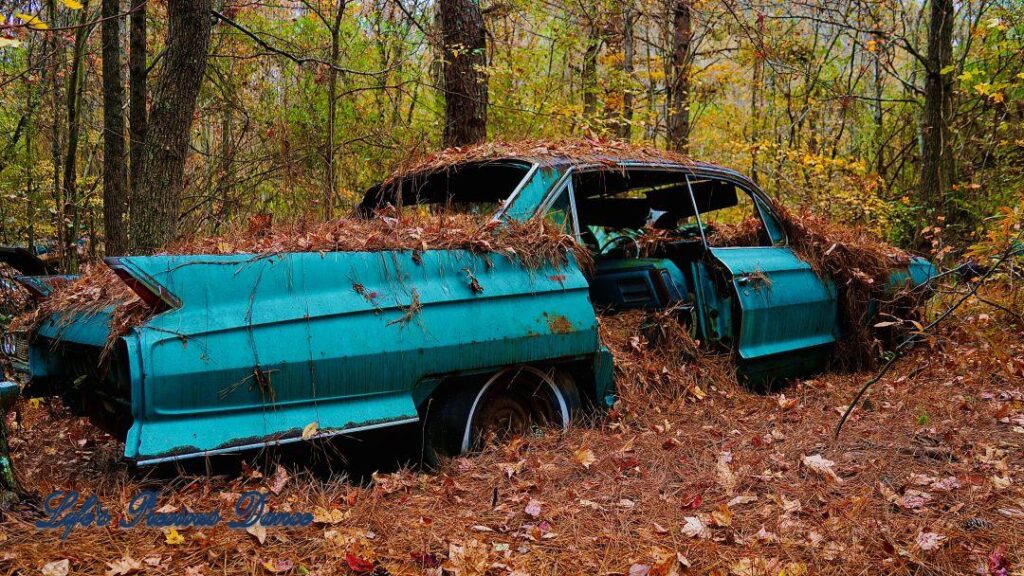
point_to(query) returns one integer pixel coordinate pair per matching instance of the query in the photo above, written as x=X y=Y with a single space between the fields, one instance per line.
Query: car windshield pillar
x=531 y=192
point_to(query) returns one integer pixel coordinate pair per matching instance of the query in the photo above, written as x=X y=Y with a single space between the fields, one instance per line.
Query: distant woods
x=125 y=124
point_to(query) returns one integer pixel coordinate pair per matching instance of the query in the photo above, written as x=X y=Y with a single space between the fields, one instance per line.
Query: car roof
x=578 y=153
x=562 y=156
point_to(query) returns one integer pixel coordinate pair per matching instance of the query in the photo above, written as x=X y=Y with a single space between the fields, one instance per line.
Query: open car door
x=780 y=316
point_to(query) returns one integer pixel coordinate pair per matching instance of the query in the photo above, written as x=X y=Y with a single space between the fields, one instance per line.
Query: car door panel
x=783 y=306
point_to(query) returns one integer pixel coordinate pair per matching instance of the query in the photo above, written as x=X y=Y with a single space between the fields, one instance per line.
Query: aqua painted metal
x=262 y=346
x=784 y=306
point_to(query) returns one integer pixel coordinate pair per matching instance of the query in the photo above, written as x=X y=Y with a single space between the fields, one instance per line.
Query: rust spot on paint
x=557 y=278
x=559 y=324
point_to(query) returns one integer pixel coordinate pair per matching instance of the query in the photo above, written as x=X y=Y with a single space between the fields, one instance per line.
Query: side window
x=561 y=210
x=730 y=216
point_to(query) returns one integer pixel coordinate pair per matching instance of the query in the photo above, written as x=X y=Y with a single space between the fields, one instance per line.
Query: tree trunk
x=155 y=205
x=115 y=182
x=52 y=71
x=937 y=156
x=678 y=120
x=30 y=185
x=589 y=71
x=69 y=183
x=332 y=114
x=756 y=96
x=465 y=81
x=136 y=94
x=628 y=48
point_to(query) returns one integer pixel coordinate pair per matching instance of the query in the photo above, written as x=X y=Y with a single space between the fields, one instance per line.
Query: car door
x=780 y=315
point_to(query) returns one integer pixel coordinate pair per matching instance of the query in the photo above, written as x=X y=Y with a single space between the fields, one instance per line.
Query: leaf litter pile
x=689 y=473
x=533 y=244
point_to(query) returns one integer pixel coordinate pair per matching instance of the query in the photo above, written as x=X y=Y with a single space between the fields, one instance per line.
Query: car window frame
x=564 y=183
x=761 y=201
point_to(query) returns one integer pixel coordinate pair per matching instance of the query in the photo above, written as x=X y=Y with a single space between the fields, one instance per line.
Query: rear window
x=479 y=188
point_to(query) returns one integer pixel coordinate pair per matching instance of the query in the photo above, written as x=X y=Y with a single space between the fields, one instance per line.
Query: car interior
x=650 y=236
x=649 y=228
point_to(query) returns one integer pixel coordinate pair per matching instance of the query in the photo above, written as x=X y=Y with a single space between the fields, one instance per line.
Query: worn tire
x=548 y=397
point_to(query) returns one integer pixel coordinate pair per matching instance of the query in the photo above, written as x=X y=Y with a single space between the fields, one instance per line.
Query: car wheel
x=512 y=402
x=507 y=412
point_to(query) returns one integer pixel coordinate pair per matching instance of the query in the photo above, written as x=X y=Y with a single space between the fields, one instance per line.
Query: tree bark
x=332 y=114
x=69 y=181
x=155 y=205
x=136 y=94
x=678 y=120
x=52 y=71
x=628 y=50
x=115 y=182
x=937 y=155
x=465 y=81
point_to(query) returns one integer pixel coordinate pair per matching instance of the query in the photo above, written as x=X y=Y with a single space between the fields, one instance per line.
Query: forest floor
x=698 y=476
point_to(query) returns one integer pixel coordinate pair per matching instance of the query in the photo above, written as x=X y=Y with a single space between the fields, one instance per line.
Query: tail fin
x=153 y=293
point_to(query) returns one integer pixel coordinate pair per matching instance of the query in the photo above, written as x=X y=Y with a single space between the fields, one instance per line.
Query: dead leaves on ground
x=733 y=484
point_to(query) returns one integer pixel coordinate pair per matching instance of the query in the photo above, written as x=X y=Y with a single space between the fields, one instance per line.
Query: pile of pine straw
x=533 y=243
x=13 y=298
x=689 y=469
x=860 y=265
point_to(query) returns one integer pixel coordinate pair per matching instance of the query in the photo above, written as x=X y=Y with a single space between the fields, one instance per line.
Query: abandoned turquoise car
x=249 y=352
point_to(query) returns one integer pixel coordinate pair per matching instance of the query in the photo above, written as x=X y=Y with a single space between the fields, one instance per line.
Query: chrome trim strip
x=571 y=191
x=243 y=447
x=515 y=193
x=696 y=213
x=563 y=407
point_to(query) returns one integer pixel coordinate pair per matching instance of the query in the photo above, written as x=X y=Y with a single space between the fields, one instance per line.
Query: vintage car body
x=251 y=350
x=37 y=277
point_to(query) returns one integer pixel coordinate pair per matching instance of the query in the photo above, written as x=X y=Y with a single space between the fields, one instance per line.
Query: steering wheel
x=618 y=240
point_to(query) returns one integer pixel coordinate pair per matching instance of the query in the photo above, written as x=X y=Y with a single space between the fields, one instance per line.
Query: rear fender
x=252 y=349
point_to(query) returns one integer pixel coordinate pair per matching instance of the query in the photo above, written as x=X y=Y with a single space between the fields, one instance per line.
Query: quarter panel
x=338 y=338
